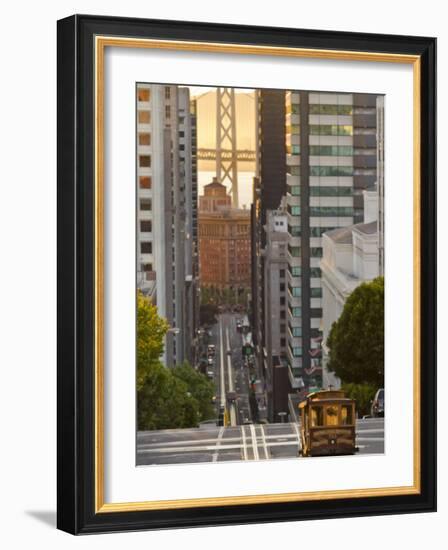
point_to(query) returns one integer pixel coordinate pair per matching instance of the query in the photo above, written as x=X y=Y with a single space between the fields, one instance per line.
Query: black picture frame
x=76 y=255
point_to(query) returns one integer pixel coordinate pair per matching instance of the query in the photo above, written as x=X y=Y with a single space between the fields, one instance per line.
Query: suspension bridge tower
x=226 y=164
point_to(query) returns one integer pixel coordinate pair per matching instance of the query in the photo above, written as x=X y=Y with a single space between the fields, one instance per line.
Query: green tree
x=363 y=394
x=151 y=331
x=199 y=387
x=163 y=400
x=356 y=339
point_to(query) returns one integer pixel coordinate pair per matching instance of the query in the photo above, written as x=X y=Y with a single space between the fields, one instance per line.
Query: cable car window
x=346 y=415
x=317 y=417
x=332 y=415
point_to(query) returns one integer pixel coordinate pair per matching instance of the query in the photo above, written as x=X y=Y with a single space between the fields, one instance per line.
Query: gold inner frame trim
x=101 y=42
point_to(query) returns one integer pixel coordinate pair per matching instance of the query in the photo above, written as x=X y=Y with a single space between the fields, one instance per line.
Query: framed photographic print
x=246 y=274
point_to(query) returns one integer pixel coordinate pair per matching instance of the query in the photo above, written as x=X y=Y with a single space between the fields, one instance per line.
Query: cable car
x=327 y=424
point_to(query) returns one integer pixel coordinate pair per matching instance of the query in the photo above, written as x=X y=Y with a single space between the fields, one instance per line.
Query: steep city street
x=240 y=438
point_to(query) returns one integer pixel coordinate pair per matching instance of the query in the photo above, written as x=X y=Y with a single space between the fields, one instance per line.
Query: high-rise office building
x=269 y=188
x=331 y=160
x=164 y=210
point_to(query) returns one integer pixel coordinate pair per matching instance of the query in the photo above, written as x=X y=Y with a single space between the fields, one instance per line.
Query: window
x=283 y=342
x=146 y=226
x=145 y=161
x=293 y=149
x=144 y=117
x=282 y=315
x=316 y=312
x=294 y=230
x=167 y=111
x=331 y=171
x=282 y=273
x=296 y=311
x=167 y=92
x=282 y=328
x=295 y=270
x=146 y=248
x=145 y=204
x=295 y=291
x=317 y=416
x=293 y=129
x=296 y=351
x=293 y=190
x=282 y=287
x=316 y=252
x=296 y=331
x=282 y=300
x=147 y=267
x=294 y=210
x=143 y=94
x=315 y=272
x=346 y=415
x=331 y=413
x=294 y=251
x=316 y=293
x=144 y=139
x=145 y=182
x=293 y=170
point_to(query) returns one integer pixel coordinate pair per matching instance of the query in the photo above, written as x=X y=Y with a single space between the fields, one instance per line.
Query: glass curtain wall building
x=324 y=178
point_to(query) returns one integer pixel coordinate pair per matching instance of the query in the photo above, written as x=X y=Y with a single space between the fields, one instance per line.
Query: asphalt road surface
x=242 y=438
x=247 y=442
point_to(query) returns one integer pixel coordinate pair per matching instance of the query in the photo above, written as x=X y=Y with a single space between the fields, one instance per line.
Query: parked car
x=377 y=408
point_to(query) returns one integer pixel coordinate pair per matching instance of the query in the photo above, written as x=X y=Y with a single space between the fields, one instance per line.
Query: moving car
x=327 y=424
x=377 y=408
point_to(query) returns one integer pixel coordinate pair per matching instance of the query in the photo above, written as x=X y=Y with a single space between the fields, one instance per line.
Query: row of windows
x=331 y=109
x=323 y=129
x=331 y=130
x=331 y=211
x=293 y=108
x=331 y=150
x=316 y=292
x=295 y=270
x=323 y=150
x=316 y=252
x=331 y=170
x=331 y=191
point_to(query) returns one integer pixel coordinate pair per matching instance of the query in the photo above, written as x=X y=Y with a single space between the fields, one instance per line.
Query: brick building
x=224 y=240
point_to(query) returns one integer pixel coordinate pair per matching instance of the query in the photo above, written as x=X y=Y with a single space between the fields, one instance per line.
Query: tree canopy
x=356 y=339
x=178 y=397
